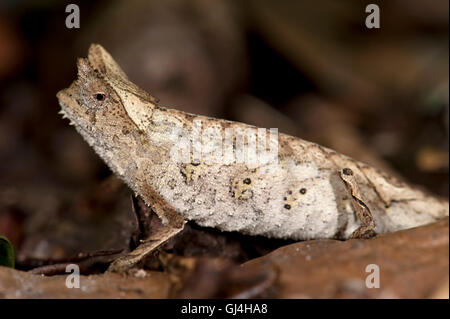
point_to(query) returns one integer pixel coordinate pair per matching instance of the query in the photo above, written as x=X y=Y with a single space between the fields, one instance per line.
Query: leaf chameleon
x=309 y=192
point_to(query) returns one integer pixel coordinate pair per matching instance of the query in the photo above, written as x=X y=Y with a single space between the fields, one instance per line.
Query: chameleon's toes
x=363 y=233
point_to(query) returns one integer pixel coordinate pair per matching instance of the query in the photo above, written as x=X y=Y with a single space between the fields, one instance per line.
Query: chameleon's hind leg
x=367 y=228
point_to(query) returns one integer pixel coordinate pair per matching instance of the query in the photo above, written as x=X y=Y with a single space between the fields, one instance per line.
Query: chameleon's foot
x=147 y=246
x=363 y=232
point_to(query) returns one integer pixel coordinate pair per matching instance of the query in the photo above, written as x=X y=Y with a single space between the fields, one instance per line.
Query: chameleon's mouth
x=64 y=112
x=67 y=112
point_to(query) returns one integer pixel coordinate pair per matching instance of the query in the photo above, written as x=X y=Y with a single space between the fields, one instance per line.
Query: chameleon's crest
x=84 y=69
x=102 y=61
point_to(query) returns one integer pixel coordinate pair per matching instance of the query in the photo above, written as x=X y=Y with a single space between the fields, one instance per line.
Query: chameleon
x=302 y=191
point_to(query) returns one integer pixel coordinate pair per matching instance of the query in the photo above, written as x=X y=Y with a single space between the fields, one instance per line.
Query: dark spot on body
x=284 y=198
x=287 y=206
x=247 y=181
x=290 y=192
x=347 y=171
x=303 y=191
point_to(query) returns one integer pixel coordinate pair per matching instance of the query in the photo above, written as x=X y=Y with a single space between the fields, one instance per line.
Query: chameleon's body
x=303 y=195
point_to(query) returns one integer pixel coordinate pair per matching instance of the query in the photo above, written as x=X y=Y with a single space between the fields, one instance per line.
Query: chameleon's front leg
x=169 y=224
x=367 y=228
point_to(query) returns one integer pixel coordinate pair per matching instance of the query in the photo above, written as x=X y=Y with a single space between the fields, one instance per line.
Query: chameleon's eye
x=100 y=97
x=94 y=94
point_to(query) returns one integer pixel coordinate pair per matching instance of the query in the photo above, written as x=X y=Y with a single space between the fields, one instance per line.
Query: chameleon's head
x=102 y=103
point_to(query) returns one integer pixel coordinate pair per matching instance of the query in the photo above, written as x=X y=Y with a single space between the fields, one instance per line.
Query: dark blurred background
x=310 y=68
